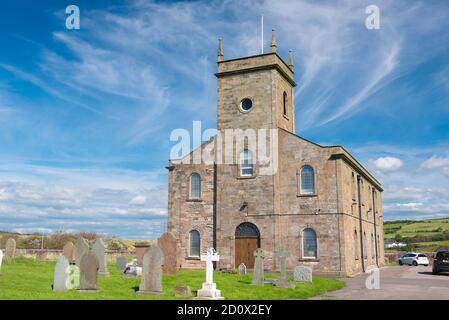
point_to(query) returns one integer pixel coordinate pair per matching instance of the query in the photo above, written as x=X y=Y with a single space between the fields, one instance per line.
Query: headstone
x=74 y=276
x=183 y=291
x=258 y=273
x=242 y=269
x=209 y=289
x=10 y=249
x=283 y=281
x=1 y=259
x=282 y=255
x=89 y=266
x=81 y=248
x=151 y=281
x=61 y=280
x=99 y=249
x=67 y=251
x=302 y=274
x=120 y=263
x=141 y=248
x=168 y=245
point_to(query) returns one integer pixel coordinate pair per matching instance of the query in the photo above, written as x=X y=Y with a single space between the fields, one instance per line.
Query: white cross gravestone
x=61 y=281
x=209 y=289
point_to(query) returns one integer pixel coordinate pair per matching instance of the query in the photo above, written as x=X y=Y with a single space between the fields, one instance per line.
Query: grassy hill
x=423 y=235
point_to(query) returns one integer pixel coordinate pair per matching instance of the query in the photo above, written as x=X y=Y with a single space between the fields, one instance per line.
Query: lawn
x=31 y=279
x=413 y=228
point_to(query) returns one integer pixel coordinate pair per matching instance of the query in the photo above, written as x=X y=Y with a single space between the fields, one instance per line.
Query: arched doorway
x=247 y=239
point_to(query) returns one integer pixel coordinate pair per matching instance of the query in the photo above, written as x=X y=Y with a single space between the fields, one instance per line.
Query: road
x=396 y=283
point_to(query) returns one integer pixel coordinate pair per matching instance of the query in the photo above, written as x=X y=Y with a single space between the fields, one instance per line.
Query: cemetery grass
x=28 y=279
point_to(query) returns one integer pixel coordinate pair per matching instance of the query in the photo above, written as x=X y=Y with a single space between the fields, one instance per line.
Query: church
x=319 y=204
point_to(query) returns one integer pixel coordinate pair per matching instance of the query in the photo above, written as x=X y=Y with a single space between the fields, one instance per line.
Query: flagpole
x=261 y=38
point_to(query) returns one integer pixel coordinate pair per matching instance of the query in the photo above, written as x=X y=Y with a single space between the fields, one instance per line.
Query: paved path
x=397 y=283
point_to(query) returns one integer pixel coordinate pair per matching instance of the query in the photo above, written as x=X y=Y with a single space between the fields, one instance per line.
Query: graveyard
x=31 y=279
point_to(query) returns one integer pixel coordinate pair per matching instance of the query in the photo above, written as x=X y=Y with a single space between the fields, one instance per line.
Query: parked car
x=441 y=261
x=414 y=259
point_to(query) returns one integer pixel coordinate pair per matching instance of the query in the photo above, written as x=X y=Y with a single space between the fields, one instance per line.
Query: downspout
x=375 y=229
x=360 y=221
x=214 y=213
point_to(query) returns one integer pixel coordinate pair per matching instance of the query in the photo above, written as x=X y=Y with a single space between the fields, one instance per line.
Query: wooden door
x=244 y=251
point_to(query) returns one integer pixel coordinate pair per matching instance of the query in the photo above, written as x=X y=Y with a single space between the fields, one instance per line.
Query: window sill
x=194 y=200
x=246 y=177
x=309 y=260
x=193 y=258
x=307 y=195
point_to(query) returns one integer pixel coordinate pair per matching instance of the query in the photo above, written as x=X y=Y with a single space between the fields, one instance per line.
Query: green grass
x=25 y=279
x=413 y=228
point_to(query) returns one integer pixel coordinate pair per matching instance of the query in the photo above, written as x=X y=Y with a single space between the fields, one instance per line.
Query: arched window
x=195 y=186
x=194 y=243
x=309 y=243
x=307 y=178
x=284 y=103
x=246 y=163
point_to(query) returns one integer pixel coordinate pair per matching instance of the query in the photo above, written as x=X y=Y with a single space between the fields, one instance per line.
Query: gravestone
x=1 y=260
x=282 y=255
x=99 y=249
x=209 y=289
x=283 y=281
x=242 y=269
x=61 y=280
x=151 y=281
x=183 y=291
x=89 y=266
x=302 y=274
x=141 y=248
x=10 y=249
x=81 y=248
x=74 y=277
x=258 y=273
x=167 y=243
x=120 y=263
x=67 y=252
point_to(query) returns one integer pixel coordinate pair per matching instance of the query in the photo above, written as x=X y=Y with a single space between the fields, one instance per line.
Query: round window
x=246 y=104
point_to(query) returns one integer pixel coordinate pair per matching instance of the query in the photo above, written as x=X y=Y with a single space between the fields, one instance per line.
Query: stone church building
x=321 y=205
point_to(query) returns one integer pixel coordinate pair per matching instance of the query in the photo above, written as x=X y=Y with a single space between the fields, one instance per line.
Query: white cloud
x=138 y=200
x=114 y=202
x=387 y=164
x=436 y=162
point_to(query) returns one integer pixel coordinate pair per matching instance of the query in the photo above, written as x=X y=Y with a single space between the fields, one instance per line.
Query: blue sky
x=86 y=115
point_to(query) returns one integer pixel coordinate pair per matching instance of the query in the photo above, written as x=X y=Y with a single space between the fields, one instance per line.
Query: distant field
x=425 y=235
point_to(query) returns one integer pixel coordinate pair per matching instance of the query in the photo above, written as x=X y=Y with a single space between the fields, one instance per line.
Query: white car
x=414 y=259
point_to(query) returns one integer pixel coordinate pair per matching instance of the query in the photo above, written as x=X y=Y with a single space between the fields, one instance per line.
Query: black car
x=441 y=262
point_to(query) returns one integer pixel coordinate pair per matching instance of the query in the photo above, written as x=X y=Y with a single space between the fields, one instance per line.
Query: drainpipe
x=375 y=229
x=360 y=221
x=214 y=213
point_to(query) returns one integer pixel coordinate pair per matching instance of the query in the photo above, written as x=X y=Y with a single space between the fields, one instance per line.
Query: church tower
x=256 y=92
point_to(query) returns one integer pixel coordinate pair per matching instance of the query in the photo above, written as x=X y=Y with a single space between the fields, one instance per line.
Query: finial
x=220 y=50
x=273 y=40
x=290 y=60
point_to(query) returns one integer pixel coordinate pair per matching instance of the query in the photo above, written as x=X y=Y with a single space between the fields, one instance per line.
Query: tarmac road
x=396 y=283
